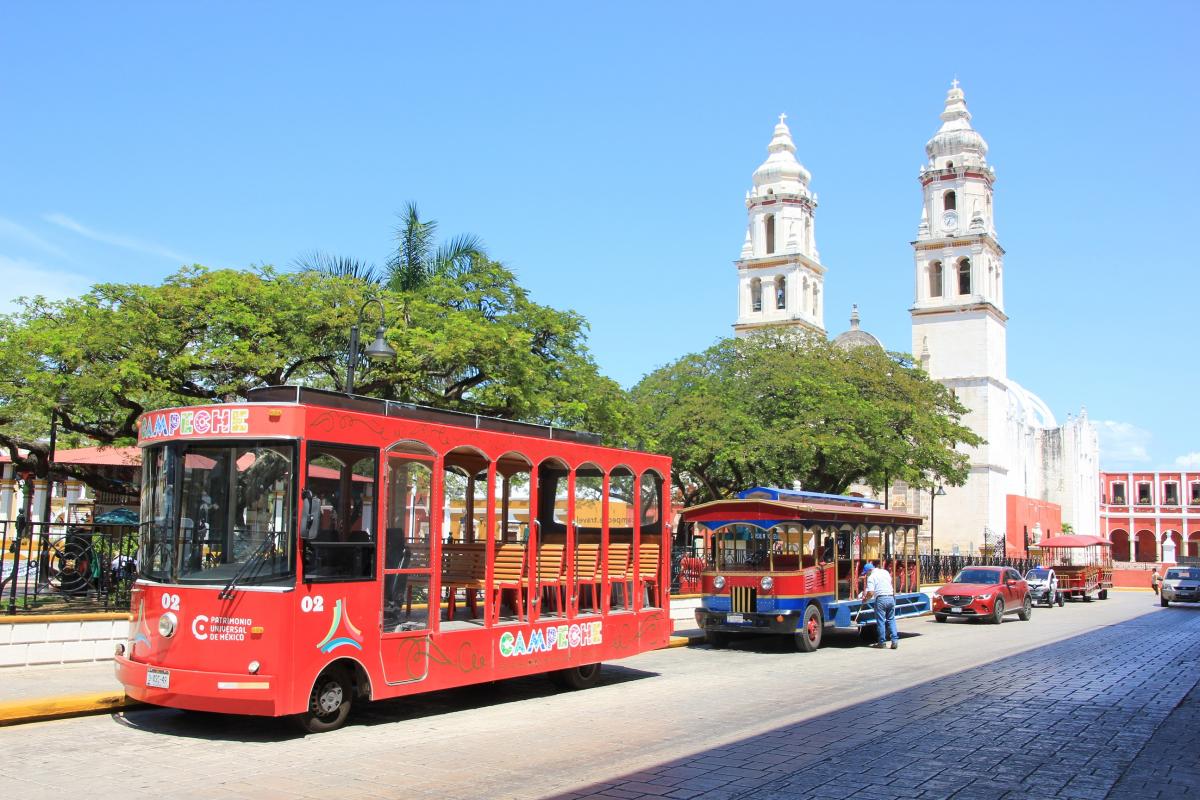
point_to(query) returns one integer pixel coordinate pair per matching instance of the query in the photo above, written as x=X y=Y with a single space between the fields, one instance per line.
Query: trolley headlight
x=254 y=667
x=719 y=582
x=767 y=583
x=166 y=625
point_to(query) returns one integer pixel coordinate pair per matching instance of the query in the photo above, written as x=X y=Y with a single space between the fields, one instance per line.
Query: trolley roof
x=394 y=408
x=768 y=513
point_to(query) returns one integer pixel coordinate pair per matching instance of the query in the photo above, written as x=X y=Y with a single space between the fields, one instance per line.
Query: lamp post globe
x=378 y=350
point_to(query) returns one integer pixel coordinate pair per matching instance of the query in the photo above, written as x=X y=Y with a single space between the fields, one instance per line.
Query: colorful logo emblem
x=341 y=632
x=141 y=628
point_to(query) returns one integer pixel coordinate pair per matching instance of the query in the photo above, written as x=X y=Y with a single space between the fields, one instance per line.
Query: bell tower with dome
x=958 y=320
x=780 y=275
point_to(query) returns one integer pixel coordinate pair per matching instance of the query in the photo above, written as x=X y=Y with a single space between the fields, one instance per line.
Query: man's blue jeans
x=885 y=618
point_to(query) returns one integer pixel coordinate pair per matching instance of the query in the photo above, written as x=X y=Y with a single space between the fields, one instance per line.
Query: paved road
x=755 y=720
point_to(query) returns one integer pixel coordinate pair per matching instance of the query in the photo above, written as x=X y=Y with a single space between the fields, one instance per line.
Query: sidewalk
x=54 y=691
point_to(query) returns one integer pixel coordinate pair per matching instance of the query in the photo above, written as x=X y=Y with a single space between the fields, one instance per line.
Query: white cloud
x=1123 y=443
x=1188 y=460
x=15 y=232
x=116 y=239
x=21 y=278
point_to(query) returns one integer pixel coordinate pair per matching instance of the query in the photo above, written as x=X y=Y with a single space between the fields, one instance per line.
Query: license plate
x=158 y=678
x=735 y=618
x=956 y=611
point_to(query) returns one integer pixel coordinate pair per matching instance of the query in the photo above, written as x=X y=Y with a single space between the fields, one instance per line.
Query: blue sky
x=603 y=152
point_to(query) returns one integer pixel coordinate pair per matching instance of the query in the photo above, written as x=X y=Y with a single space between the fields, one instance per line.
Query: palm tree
x=417 y=258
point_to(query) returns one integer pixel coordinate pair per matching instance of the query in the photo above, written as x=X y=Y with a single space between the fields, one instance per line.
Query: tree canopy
x=778 y=407
x=473 y=342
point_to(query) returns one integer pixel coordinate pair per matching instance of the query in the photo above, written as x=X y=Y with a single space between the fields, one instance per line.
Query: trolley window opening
x=338 y=513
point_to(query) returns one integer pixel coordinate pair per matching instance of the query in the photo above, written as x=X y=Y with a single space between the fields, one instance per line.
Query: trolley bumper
x=784 y=621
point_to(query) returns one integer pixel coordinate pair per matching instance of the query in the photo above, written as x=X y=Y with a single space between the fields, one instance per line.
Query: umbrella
x=118 y=516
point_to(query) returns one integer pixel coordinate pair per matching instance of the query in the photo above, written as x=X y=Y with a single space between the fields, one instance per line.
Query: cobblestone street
x=1080 y=702
x=1099 y=715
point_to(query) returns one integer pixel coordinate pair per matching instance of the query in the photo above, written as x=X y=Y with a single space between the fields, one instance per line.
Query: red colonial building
x=1140 y=511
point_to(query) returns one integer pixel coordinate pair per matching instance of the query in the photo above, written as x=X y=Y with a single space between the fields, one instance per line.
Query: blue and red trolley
x=790 y=562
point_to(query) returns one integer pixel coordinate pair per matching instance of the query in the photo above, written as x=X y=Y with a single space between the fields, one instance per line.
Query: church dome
x=781 y=172
x=1027 y=408
x=855 y=337
x=956 y=137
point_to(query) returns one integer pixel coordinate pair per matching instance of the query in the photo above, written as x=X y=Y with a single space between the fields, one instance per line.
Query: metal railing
x=50 y=568
x=940 y=569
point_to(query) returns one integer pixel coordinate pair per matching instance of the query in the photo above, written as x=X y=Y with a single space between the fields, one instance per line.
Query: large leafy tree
x=477 y=345
x=778 y=407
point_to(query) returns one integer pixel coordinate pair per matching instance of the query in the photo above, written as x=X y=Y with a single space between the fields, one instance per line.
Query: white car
x=1043 y=586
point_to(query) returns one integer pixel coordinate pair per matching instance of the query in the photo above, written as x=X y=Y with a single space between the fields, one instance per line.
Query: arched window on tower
x=780 y=292
x=770 y=226
x=935 y=279
x=964 y=276
x=756 y=295
x=949 y=201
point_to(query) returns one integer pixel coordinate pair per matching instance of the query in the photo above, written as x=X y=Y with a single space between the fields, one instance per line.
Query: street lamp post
x=934 y=494
x=379 y=350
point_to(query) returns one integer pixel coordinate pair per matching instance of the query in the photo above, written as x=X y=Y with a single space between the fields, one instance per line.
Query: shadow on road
x=235 y=728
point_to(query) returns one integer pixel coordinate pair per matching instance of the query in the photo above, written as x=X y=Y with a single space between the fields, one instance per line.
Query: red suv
x=983 y=592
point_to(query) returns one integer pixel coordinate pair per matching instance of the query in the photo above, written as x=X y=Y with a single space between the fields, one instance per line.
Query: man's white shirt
x=879 y=582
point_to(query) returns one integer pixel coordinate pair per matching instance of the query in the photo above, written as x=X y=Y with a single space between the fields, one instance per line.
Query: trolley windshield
x=213 y=512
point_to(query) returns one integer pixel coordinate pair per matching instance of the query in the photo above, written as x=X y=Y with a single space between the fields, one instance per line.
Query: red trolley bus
x=1083 y=565
x=305 y=548
x=790 y=562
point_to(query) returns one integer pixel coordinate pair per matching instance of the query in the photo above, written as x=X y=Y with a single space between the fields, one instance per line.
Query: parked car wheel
x=939 y=617
x=1026 y=612
x=1061 y=600
x=1164 y=602
x=998 y=611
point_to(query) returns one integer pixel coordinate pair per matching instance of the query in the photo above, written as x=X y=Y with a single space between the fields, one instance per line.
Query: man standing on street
x=879 y=588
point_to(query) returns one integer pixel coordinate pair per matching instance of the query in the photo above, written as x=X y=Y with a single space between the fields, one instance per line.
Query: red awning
x=100 y=456
x=1074 y=541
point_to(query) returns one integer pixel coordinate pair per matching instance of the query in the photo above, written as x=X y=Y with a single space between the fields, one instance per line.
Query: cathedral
x=1032 y=474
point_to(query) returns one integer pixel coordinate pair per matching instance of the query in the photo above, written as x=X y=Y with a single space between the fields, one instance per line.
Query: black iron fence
x=57 y=568
x=940 y=569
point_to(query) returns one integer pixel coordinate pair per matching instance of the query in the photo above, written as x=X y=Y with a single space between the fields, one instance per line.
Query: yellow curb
x=100 y=616
x=20 y=711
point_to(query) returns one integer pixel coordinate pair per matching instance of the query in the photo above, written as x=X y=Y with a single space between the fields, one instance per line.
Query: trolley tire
x=1087 y=598
x=807 y=637
x=998 y=611
x=585 y=676
x=328 y=702
x=1026 y=612
x=1164 y=602
x=717 y=640
x=868 y=633
x=1104 y=594
x=939 y=617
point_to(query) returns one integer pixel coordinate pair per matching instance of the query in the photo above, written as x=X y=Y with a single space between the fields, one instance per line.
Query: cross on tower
x=782 y=117
x=954 y=83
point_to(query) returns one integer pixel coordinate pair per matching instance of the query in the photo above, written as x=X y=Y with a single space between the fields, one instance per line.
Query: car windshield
x=213 y=511
x=1037 y=574
x=1185 y=574
x=977 y=576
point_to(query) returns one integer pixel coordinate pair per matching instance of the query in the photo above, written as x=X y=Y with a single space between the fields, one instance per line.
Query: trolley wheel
x=716 y=639
x=807 y=637
x=940 y=617
x=868 y=633
x=328 y=703
x=1104 y=594
x=998 y=611
x=584 y=676
x=1026 y=612
x=1087 y=598
x=1164 y=602
x=1061 y=600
